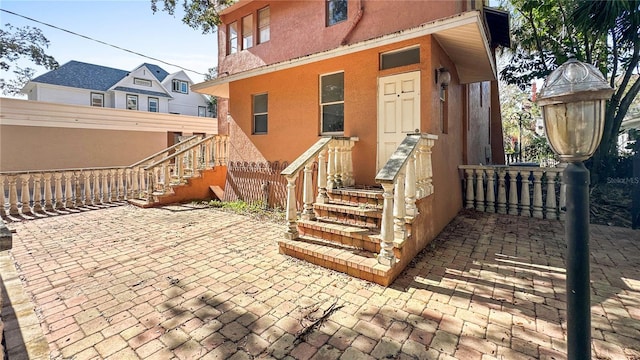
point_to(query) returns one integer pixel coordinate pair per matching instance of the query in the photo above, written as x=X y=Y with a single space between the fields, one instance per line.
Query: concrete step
x=361 y=215
x=347 y=235
x=358 y=195
x=346 y=259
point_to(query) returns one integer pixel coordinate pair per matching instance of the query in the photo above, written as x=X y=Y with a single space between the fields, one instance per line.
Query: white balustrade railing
x=515 y=190
x=406 y=178
x=157 y=177
x=39 y=191
x=32 y=192
x=335 y=170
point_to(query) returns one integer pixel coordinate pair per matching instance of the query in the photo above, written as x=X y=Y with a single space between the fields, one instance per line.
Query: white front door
x=398 y=112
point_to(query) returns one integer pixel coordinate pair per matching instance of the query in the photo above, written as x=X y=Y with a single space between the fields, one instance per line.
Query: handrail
x=178 y=153
x=310 y=154
x=185 y=141
x=392 y=168
x=27 y=172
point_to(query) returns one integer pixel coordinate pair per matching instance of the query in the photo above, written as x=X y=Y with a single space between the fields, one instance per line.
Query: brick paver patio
x=181 y=282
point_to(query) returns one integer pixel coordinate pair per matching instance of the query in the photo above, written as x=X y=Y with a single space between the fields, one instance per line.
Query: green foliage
x=257 y=209
x=198 y=14
x=604 y=33
x=23 y=42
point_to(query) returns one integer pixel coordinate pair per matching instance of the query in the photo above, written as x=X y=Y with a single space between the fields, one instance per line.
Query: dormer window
x=180 y=86
x=142 y=82
x=336 y=11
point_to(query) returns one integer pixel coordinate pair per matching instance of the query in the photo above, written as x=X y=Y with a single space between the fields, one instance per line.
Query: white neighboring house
x=146 y=88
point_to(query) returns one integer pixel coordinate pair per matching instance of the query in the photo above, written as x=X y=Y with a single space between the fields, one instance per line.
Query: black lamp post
x=573 y=100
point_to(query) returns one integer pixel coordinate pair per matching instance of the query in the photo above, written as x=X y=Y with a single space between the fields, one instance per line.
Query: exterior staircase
x=343 y=234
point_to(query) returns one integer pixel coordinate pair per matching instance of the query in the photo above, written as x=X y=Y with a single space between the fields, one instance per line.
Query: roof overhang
x=462 y=37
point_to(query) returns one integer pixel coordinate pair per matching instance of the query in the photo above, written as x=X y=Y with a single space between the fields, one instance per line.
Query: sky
x=128 y=24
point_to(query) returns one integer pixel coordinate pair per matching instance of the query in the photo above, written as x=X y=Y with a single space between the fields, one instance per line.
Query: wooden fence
x=261 y=182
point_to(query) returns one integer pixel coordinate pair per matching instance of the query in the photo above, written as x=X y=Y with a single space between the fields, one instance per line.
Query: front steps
x=344 y=236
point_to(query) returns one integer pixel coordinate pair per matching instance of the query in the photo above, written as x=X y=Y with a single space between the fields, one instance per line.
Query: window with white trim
x=332 y=102
x=336 y=11
x=132 y=102
x=142 y=82
x=264 y=25
x=202 y=111
x=153 y=104
x=247 y=32
x=97 y=99
x=180 y=86
x=232 y=38
x=260 y=113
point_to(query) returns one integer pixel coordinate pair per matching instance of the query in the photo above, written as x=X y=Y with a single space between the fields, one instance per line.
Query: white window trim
x=142 y=82
x=261 y=26
x=254 y=114
x=127 y=101
x=330 y=103
x=157 y=104
x=101 y=95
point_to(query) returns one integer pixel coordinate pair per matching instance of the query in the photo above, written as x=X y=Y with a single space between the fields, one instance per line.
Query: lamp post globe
x=573 y=101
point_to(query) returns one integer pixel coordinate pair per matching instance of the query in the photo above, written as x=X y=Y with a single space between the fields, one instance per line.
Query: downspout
x=355 y=22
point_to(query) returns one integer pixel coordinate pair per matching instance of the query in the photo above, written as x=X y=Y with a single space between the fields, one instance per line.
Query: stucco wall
x=298 y=27
x=36 y=135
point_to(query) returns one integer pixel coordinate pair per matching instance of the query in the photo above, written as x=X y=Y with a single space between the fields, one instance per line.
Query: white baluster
x=216 y=150
x=513 y=192
x=292 y=213
x=86 y=176
x=331 y=166
x=410 y=188
x=105 y=186
x=68 y=190
x=58 y=184
x=150 y=185
x=78 y=187
x=491 y=196
x=13 y=195
x=135 y=178
x=429 y=168
x=337 y=176
x=25 y=199
x=121 y=190
x=470 y=184
x=386 y=256
x=97 y=199
x=502 y=192
x=537 y=194
x=48 y=195
x=525 y=197
x=322 y=197
x=166 y=184
x=112 y=185
x=37 y=193
x=3 y=212
x=307 y=192
x=551 y=206
x=207 y=154
x=421 y=191
x=399 y=209
x=349 y=162
x=180 y=165
x=194 y=161
x=480 y=189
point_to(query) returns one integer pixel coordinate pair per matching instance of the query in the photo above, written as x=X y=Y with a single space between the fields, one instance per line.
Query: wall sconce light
x=443 y=77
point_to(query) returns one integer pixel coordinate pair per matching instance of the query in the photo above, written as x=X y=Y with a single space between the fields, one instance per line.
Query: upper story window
x=264 y=25
x=202 y=111
x=260 y=113
x=132 y=102
x=232 y=41
x=153 y=104
x=247 y=32
x=97 y=99
x=180 y=86
x=336 y=11
x=143 y=82
x=332 y=102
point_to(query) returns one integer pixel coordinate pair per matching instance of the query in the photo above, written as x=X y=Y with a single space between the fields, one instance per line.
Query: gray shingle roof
x=82 y=75
x=94 y=77
x=157 y=71
x=140 y=91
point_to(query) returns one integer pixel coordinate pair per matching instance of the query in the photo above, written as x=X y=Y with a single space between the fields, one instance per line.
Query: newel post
x=399 y=210
x=322 y=197
x=292 y=214
x=386 y=256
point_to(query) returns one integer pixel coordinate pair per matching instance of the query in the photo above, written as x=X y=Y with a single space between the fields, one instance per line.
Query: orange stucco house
x=293 y=72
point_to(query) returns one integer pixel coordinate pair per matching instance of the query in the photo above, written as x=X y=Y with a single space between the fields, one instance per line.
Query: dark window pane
x=260 y=124
x=336 y=11
x=260 y=104
x=400 y=58
x=333 y=118
x=333 y=88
